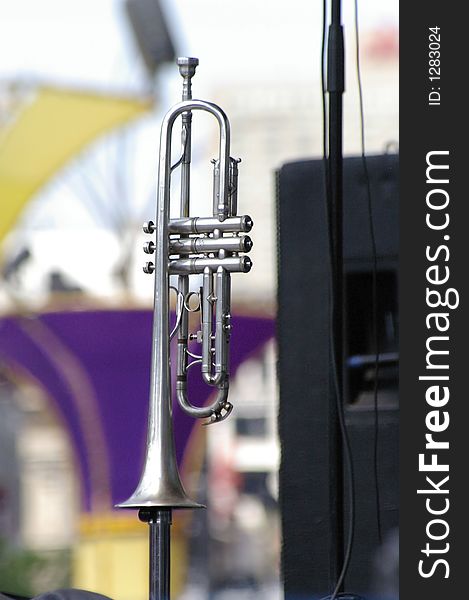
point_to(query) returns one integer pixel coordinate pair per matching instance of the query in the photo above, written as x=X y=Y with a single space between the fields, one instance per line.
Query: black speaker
x=304 y=367
x=151 y=32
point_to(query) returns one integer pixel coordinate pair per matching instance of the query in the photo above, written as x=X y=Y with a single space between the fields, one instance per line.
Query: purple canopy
x=95 y=368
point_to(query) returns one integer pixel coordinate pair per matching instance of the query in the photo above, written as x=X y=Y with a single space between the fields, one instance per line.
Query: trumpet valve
x=210 y=245
x=148 y=227
x=149 y=247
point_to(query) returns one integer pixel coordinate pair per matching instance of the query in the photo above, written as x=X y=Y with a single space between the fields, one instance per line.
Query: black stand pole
x=335 y=88
x=159 y=521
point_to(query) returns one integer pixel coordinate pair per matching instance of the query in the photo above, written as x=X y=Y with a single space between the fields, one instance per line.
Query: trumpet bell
x=166 y=497
x=160 y=488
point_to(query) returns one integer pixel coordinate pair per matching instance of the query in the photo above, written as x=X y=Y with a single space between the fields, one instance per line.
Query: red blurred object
x=382 y=43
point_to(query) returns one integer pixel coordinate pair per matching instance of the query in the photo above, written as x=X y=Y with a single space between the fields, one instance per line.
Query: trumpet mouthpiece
x=187 y=65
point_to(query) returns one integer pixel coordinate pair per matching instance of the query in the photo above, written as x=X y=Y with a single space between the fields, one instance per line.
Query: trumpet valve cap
x=148 y=247
x=148 y=268
x=247 y=223
x=148 y=227
x=247 y=264
x=247 y=244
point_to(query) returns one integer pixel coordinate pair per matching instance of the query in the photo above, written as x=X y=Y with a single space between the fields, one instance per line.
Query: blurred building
x=49 y=495
x=10 y=426
x=243 y=459
x=39 y=499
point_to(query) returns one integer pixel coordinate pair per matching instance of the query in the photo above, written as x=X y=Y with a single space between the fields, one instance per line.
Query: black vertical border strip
x=423 y=129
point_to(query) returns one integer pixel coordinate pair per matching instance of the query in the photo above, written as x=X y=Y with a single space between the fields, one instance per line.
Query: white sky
x=87 y=41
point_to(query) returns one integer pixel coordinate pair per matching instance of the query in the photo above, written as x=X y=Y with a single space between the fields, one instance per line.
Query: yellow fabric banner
x=50 y=129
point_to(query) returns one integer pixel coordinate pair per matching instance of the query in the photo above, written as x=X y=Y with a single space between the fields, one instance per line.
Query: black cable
x=347 y=448
x=335 y=366
x=344 y=596
x=374 y=283
x=323 y=96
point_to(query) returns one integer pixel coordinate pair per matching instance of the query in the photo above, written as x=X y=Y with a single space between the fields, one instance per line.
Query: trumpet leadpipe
x=186 y=225
x=187 y=266
x=202 y=245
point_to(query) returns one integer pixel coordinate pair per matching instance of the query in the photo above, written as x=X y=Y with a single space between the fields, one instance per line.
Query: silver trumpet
x=213 y=247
